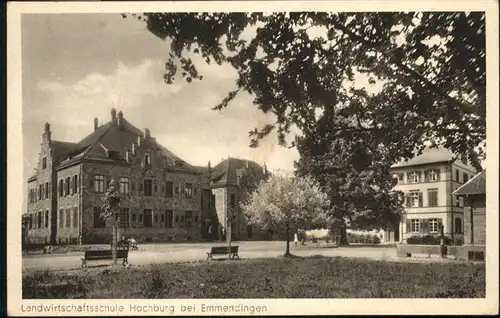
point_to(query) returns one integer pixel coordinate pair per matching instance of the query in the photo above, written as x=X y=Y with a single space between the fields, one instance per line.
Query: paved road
x=164 y=253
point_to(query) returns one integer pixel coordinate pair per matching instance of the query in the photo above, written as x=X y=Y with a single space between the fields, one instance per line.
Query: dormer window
x=147 y=159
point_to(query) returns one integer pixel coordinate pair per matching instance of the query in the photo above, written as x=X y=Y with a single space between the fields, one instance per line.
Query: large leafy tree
x=427 y=71
x=429 y=66
x=287 y=203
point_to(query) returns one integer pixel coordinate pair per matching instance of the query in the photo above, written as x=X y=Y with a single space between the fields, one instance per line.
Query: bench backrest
x=223 y=249
x=106 y=253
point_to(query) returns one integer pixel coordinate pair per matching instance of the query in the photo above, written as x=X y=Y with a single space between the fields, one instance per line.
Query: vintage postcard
x=252 y=158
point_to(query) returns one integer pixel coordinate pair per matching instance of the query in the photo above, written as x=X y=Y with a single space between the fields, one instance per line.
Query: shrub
x=428 y=240
x=363 y=238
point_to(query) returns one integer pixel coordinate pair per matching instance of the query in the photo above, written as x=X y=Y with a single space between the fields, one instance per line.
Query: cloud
x=179 y=115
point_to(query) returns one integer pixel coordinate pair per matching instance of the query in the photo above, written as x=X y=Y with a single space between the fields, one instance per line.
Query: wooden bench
x=223 y=250
x=104 y=254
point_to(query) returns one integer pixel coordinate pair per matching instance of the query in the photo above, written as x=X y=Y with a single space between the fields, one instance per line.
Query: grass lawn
x=264 y=278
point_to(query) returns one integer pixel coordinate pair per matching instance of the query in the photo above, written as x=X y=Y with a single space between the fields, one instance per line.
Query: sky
x=80 y=66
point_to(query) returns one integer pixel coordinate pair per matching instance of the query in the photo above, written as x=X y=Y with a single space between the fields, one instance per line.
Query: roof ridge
x=469 y=181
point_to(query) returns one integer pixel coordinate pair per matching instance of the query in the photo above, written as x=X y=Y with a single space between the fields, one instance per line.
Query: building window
x=177 y=188
x=195 y=219
x=401 y=178
x=39 y=220
x=75 y=183
x=188 y=191
x=99 y=184
x=415 y=225
x=147 y=159
x=124 y=221
x=68 y=218
x=44 y=163
x=133 y=217
x=176 y=219
x=466 y=177
x=132 y=186
x=414 y=199
x=432 y=175
x=414 y=177
x=156 y=218
x=61 y=188
x=40 y=192
x=47 y=219
x=148 y=218
x=233 y=200
x=61 y=219
x=148 y=187
x=124 y=186
x=189 y=219
x=66 y=186
x=139 y=217
x=169 y=189
x=99 y=223
x=170 y=218
x=162 y=217
x=433 y=226
x=457 y=175
x=458 y=225
x=432 y=197
x=75 y=217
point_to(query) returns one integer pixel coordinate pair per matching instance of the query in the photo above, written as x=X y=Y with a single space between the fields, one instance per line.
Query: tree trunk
x=114 y=244
x=343 y=235
x=287 y=251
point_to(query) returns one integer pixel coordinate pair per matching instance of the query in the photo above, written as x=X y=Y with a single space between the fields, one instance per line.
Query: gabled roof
x=429 y=155
x=476 y=185
x=111 y=137
x=227 y=171
x=61 y=150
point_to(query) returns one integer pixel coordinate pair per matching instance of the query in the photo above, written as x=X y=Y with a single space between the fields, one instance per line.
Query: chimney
x=46 y=133
x=133 y=148
x=96 y=123
x=120 y=119
x=113 y=115
x=147 y=133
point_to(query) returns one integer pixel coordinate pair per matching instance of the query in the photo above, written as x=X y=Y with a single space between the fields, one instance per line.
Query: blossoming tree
x=287 y=202
x=110 y=209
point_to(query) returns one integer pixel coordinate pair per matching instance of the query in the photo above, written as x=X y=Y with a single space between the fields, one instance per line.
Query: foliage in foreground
x=265 y=278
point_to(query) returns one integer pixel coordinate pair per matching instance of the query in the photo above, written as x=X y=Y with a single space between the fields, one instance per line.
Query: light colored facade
x=474 y=196
x=428 y=182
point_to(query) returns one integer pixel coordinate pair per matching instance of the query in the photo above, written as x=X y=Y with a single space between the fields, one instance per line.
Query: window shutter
x=426 y=175
x=420 y=199
x=440 y=222
x=70 y=185
x=408 y=200
x=408 y=226
x=408 y=177
x=91 y=182
x=438 y=171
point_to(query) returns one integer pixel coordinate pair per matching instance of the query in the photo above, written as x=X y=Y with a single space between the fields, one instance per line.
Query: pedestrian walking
x=296 y=239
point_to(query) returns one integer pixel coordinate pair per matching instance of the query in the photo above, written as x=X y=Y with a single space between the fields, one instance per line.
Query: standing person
x=295 y=239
